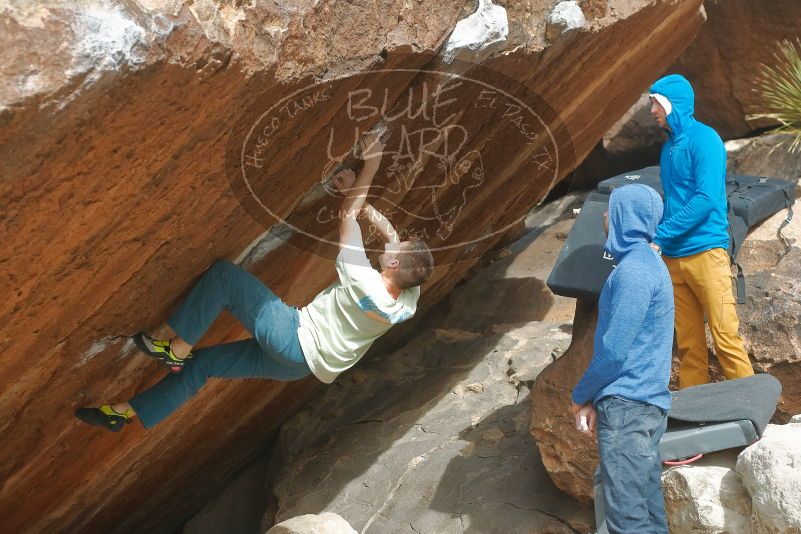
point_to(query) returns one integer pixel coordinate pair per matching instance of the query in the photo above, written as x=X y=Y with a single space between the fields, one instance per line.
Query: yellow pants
x=702 y=286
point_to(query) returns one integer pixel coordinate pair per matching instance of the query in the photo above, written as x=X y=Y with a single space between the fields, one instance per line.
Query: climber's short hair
x=416 y=264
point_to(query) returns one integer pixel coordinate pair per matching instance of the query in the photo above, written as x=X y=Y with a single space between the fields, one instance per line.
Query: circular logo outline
x=445 y=247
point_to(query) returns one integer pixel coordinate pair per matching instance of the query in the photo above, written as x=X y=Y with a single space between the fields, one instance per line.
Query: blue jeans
x=273 y=352
x=630 y=468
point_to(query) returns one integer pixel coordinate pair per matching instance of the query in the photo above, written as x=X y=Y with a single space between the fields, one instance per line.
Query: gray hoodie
x=634 y=336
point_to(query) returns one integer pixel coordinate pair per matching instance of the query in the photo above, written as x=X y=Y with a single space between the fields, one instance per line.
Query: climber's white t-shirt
x=341 y=323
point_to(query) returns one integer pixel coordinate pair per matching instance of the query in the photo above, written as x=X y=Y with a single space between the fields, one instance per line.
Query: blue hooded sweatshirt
x=693 y=173
x=634 y=336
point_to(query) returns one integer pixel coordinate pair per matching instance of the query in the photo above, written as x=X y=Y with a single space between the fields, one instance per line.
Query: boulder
x=770 y=323
x=707 y=496
x=764 y=155
x=770 y=472
x=569 y=455
x=142 y=140
x=325 y=523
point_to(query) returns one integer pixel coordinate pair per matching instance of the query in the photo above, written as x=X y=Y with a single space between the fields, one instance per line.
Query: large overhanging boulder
x=124 y=126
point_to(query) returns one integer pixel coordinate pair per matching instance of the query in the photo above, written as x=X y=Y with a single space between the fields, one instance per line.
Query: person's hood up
x=634 y=213
x=679 y=93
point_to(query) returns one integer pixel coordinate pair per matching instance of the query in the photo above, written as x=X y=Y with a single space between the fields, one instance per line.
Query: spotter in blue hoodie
x=693 y=172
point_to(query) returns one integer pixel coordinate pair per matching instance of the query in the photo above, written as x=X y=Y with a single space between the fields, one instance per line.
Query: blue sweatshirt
x=634 y=336
x=693 y=173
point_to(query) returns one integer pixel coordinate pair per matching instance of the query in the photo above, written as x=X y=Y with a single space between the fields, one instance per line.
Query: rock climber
x=325 y=338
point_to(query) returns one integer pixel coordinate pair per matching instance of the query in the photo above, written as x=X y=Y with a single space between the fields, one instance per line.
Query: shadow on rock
x=497 y=482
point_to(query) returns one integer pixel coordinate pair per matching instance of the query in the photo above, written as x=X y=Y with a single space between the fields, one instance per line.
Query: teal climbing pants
x=273 y=352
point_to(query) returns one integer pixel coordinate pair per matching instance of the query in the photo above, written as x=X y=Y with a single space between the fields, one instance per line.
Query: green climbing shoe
x=160 y=350
x=104 y=416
